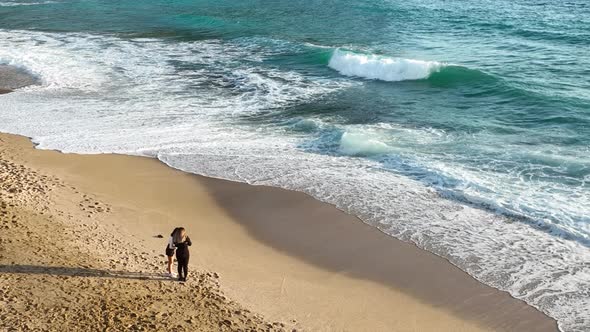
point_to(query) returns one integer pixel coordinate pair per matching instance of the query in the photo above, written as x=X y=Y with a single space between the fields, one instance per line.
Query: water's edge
x=347 y=211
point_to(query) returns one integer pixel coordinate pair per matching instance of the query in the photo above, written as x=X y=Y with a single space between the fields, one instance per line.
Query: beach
x=80 y=251
x=461 y=129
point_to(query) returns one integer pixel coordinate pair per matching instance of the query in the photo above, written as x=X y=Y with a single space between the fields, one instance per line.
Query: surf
x=382 y=68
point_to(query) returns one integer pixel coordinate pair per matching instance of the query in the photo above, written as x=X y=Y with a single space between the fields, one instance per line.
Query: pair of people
x=178 y=242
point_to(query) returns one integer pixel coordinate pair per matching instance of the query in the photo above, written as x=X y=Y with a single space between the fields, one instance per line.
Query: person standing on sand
x=182 y=242
x=170 y=252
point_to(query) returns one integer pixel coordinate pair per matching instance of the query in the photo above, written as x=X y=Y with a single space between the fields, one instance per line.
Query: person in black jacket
x=182 y=242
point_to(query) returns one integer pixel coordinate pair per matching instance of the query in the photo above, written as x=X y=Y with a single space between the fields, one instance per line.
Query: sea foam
x=14 y=4
x=362 y=144
x=381 y=67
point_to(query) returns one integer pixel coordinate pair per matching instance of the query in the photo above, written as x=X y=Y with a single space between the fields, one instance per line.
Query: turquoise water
x=463 y=127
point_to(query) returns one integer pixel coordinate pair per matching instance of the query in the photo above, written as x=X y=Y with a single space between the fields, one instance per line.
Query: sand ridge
x=64 y=268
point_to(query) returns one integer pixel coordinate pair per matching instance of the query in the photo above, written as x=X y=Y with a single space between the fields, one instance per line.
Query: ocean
x=460 y=126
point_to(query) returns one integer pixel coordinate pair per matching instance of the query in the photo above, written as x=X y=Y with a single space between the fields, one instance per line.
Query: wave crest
x=362 y=144
x=14 y=4
x=380 y=67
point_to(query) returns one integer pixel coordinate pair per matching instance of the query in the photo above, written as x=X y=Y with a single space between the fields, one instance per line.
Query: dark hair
x=174 y=231
x=178 y=238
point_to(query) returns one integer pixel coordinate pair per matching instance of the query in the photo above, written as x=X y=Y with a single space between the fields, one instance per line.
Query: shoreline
x=288 y=256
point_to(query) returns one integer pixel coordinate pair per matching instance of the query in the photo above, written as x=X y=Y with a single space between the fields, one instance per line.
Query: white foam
x=14 y=4
x=362 y=144
x=381 y=67
x=55 y=66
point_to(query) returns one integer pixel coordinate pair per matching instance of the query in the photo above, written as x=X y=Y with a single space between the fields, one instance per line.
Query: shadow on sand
x=80 y=272
x=318 y=233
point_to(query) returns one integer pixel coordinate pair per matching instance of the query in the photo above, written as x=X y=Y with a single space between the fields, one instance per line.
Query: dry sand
x=78 y=252
x=65 y=267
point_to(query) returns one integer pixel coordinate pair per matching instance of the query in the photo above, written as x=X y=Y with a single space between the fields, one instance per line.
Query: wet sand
x=12 y=78
x=283 y=255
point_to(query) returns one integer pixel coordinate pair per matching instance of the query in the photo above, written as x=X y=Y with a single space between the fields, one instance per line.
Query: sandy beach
x=79 y=251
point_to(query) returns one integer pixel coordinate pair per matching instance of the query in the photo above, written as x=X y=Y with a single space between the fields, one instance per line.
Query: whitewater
x=381 y=67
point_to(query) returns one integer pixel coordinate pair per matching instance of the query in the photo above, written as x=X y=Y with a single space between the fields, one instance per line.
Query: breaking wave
x=381 y=67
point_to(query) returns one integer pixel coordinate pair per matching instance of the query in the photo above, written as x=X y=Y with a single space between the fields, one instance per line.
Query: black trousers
x=182 y=266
